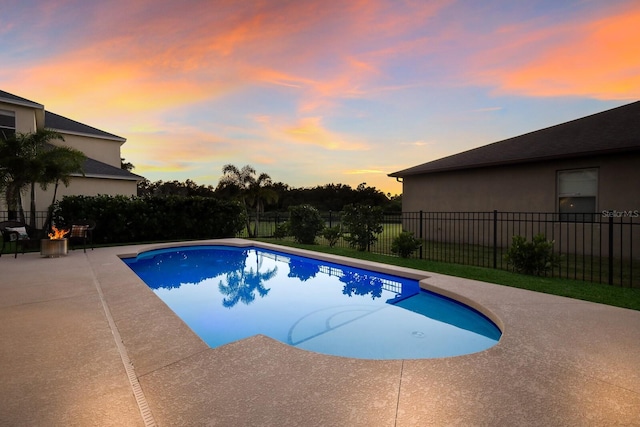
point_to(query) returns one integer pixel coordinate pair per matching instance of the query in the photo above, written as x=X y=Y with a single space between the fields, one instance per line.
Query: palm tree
x=60 y=164
x=241 y=285
x=27 y=159
x=253 y=191
x=14 y=166
x=11 y=163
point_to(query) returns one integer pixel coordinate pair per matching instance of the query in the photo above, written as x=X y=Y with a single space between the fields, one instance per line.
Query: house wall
x=87 y=187
x=104 y=150
x=25 y=117
x=522 y=188
x=527 y=188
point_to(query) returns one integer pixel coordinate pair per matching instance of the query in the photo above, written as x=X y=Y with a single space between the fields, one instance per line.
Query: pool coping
x=560 y=361
x=420 y=276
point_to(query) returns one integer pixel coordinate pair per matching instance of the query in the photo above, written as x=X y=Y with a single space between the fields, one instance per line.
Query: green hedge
x=122 y=219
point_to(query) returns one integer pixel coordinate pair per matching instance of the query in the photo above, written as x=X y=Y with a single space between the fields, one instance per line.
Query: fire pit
x=55 y=246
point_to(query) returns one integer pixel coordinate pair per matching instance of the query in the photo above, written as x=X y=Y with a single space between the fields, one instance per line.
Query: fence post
x=495 y=238
x=421 y=236
x=330 y=219
x=611 y=249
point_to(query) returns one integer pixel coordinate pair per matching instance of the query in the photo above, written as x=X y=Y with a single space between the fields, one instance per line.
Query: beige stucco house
x=102 y=169
x=591 y=164
x=565 y=181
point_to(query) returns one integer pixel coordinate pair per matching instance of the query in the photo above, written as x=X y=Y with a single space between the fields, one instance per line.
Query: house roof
x=92 y=168
x=63 y=124
x=10 y=98
x=615 y=130
x=96 y=169
x=57 y=122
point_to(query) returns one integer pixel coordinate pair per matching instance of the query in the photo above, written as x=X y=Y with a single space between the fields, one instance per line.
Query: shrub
x=281 y=231
x=122 y=219
x=534 y=258
x=305 y=223
x=332 y=234
x=405 y=244
x=362 y=223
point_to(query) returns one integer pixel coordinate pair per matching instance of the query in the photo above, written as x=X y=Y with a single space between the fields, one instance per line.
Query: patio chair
x=81 y=232
x=21 y=234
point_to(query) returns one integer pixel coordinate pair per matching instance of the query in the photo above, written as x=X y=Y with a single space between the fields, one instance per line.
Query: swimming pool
x=226 y=293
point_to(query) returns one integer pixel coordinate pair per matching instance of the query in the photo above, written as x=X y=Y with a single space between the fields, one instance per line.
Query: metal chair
x=81 y=232
x=19 y=233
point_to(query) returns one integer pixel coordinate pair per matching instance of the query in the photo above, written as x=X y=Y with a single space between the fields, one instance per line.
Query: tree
x=27 y=159
x=13 y=166
x=362 y=223
x=127 y=166
x=253 y=191
x=305 y=223
x=241 y=285
x=160 y=188
x=60 y=163
x=371 y=196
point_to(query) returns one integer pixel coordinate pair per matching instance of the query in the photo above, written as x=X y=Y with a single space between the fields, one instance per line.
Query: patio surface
x=85 y=342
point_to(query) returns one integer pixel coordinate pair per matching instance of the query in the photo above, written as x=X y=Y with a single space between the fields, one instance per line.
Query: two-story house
x=102 y=169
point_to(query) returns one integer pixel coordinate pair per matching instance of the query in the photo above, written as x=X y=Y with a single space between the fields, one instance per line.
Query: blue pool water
x=226 y=294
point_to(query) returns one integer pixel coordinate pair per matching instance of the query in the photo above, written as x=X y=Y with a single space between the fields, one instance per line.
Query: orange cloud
x=93 y=89
x=180 y=55
x=175 y=148
x=596 y=59
x=309 y=131
x=365 y=172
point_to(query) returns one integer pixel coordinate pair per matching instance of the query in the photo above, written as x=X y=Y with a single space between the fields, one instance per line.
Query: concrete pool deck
x=85 y=342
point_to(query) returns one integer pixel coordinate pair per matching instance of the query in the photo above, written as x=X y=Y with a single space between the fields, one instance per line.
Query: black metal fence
x=41 y=217
x=602 y=247
x=595 y=247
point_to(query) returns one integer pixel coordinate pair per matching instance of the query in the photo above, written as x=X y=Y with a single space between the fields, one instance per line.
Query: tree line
x=327 y=197
x=30 y=159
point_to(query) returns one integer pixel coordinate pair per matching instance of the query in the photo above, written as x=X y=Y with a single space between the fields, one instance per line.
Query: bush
x=332 y=234
x=362 y=223
x=405 y=244
x=534 y=258
x=281 y=231
x=122 y=219
x=305 y=223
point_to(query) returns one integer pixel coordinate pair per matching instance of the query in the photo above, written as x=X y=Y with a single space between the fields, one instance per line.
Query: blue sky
x=317 y=92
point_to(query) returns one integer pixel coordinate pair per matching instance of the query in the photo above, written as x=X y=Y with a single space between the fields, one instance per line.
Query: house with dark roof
x=587 y=165
x=102 y=171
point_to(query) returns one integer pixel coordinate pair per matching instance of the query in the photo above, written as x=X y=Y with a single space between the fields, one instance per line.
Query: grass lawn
x=587 y=291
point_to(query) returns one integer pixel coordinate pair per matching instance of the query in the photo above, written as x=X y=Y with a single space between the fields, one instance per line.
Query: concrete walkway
x=85 y=342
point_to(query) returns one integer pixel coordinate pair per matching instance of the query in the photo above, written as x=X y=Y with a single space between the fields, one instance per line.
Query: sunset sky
x=319 y=91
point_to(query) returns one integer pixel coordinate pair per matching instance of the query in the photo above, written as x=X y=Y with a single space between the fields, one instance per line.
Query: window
x=577 y=194
x=7 y=124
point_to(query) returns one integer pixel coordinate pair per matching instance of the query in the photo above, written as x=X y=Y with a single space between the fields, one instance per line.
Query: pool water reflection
x=226 y=293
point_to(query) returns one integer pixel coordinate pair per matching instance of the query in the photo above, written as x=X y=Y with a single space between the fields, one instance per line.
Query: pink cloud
x=163 y=53
x=595 y=58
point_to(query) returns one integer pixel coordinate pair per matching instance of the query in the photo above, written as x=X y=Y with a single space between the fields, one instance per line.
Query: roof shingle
x=615 y=130
x=61 y=123
x=97 y=169
x=15 y=99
